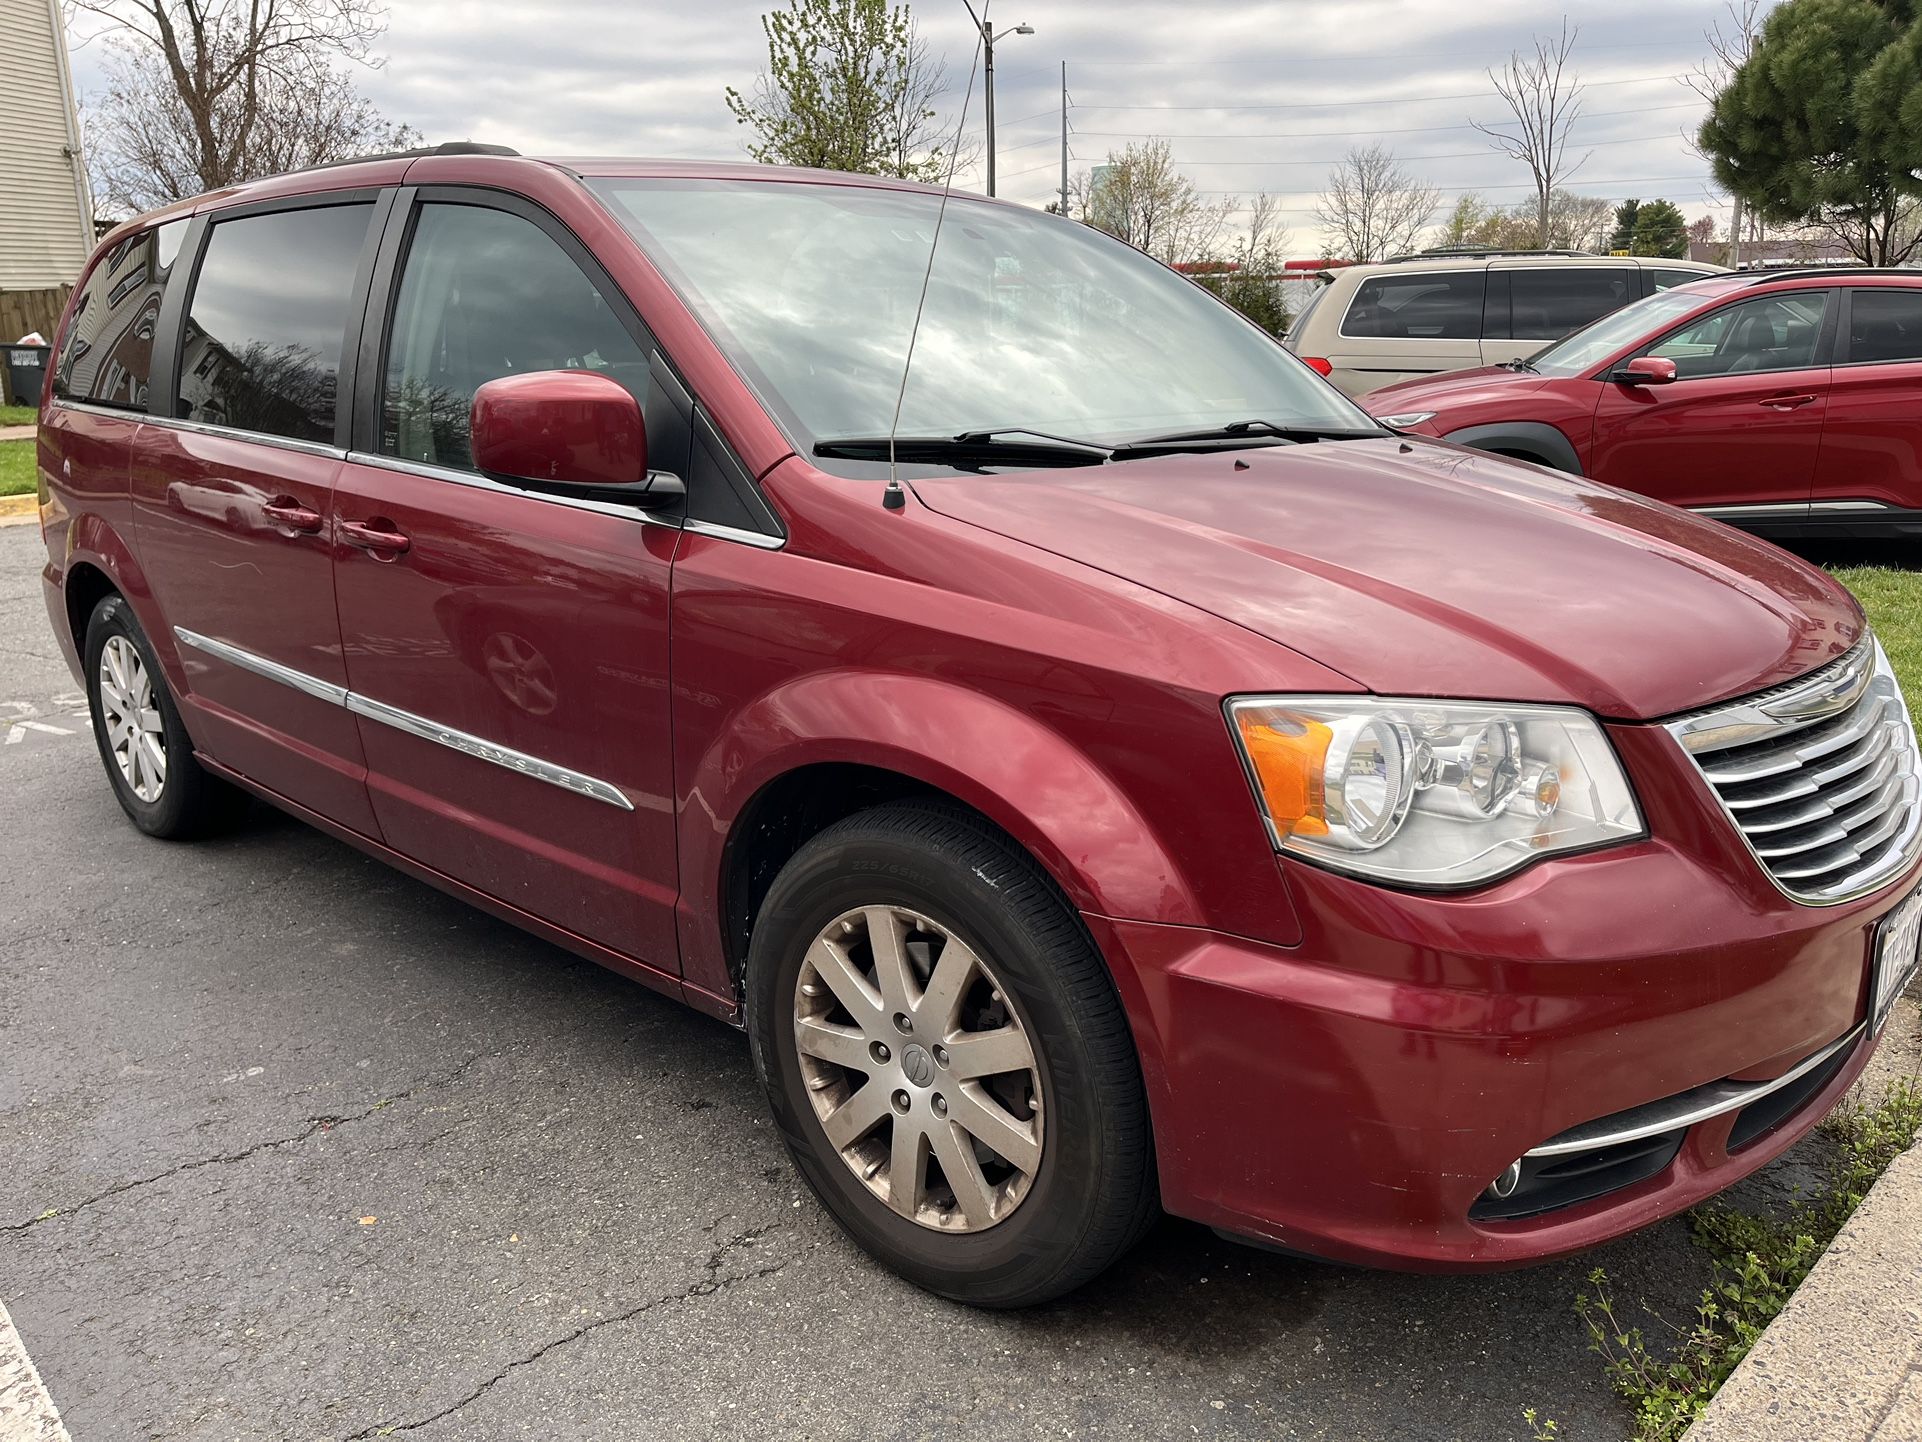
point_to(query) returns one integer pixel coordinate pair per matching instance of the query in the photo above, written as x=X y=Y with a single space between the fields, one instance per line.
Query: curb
x=1843 y=1361
x=18 y=510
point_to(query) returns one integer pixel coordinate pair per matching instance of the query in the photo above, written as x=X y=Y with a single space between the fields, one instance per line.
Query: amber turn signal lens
x=1290 y=760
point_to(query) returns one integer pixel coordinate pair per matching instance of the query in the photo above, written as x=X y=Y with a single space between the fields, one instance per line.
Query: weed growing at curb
x=1759 y=1262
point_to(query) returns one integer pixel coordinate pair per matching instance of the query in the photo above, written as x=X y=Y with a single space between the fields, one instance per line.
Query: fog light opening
x=1503 y=1187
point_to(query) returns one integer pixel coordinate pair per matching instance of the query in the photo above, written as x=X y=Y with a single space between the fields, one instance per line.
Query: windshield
x=1588 y=347
x=1031 y=321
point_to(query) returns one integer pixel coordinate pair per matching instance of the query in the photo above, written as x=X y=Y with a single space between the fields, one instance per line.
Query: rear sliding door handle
x=378 y=536
x=288 y=512
x=1788 y=403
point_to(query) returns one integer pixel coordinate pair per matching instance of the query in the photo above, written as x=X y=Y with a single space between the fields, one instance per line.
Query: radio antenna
x=894 y=498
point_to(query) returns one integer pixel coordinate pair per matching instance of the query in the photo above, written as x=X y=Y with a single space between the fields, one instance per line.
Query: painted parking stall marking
x=27 y=1413
x=63 y=715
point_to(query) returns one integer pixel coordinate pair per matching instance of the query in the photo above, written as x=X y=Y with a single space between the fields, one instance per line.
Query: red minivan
x=1785 y=402
x=1101 y=769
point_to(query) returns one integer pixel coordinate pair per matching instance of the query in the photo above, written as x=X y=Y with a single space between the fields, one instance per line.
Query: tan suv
x=1444 y=310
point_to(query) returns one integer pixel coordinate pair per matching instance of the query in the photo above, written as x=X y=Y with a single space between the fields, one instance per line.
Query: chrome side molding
x=464 y=742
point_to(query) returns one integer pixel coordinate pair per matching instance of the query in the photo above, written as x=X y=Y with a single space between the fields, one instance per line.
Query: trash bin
x=27 y=372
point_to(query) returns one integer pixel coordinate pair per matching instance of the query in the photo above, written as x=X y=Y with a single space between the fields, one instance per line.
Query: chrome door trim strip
x=261 y=666
x=1760 y=508
x=258 y=438
x=1772 y=508
x=431 y=472
x=1673 y=1113
x=761 y=540
x=465 y=742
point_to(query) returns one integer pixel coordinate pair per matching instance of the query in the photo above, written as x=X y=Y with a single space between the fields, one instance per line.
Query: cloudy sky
x=1252 y=96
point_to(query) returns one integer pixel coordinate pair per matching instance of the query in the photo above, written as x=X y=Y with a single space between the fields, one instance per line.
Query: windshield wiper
x=1255 y=430
x=1520 y=363
x=969 y=449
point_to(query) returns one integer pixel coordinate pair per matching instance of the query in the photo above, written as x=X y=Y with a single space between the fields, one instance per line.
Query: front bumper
x=1352 y=1097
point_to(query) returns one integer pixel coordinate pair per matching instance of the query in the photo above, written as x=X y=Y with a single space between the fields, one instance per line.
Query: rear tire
x=143 y=743
x=1033 y=1055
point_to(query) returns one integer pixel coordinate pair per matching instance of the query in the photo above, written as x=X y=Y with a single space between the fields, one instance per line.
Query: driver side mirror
x=1645 y=370
x=568 y=433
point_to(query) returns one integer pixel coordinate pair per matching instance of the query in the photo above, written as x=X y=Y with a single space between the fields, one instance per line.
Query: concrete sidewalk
x=16 y=433
x=1843 y=1362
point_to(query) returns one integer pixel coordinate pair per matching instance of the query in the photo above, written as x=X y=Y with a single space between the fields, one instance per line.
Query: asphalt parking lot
x=292 y=1147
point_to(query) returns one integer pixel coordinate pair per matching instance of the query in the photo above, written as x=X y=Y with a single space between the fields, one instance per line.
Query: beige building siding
x=46 y=220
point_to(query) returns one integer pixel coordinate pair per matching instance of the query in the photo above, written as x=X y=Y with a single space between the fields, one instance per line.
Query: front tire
x=947 y=1058
x=143 y=743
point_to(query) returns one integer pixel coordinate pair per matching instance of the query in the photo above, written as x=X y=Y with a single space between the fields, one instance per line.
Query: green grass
x=16 y=468
x=16 y=415
x=1893 y=599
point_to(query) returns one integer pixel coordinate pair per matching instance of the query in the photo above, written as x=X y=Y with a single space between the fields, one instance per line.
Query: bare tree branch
x=1373 y=208
x=202 y=94
x=1544 y=99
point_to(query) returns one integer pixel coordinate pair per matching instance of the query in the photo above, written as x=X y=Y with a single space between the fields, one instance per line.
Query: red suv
x=1100 y=769
x=1788 y=402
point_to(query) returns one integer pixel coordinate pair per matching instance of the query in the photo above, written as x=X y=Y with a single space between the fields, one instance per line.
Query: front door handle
x=378 y=535
x=288 y=512
x=1788 y=403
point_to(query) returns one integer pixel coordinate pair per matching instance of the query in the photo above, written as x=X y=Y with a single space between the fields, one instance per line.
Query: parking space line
x=27 y=1413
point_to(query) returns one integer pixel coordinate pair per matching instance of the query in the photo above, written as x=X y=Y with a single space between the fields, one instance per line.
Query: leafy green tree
x=1660 y=229
x=1822 y=124
x=849 y=85
x=1623 y=236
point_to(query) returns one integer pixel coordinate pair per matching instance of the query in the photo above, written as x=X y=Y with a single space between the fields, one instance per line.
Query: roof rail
x=1761 y=275
x=1486 y=252
x=446 y=147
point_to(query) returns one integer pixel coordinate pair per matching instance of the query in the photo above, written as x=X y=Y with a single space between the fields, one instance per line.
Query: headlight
x=1431 y=793
x=1405 y=419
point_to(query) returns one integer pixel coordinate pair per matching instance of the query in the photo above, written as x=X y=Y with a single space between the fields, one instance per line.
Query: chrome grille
x=1820 y=776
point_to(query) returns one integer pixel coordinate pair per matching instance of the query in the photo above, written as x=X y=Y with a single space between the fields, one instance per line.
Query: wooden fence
x=25 y=311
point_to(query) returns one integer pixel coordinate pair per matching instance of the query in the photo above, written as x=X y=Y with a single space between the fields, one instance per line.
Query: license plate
x=1897 y=944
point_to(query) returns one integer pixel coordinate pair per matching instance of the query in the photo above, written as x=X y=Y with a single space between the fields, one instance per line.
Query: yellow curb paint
x=23 y=507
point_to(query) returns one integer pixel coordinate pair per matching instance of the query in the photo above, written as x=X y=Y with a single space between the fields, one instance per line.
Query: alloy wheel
x=132 y=715
x=920 y=1071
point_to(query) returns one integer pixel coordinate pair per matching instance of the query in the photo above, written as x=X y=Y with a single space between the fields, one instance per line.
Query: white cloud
x=1253 y=96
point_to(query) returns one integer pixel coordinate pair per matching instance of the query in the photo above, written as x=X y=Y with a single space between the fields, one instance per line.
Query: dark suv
x=1786 y=402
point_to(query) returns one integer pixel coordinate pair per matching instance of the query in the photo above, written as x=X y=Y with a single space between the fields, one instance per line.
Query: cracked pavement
x=293 y=1147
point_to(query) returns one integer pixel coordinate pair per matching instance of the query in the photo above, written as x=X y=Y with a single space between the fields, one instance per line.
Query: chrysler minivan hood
x=1419 y=568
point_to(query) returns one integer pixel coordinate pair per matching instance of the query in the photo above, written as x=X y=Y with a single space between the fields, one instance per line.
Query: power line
x=1393 y=100
x=1371 y=130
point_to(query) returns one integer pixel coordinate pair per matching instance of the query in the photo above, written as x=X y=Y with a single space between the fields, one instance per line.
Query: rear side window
x=106 y=357
x=486 y=294
x=1418 y=307
x=268 y=320
x=1885 y=325
x=1669 y=279
x=1549 y=303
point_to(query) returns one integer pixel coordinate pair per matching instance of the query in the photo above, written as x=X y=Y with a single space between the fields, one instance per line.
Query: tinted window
x=268 y=319
x=1418 y=307
x=107 y=355
x=487 y=294
x=1775 y=333
x=1548 y=304
x=1669 y=279
x=1885 y=325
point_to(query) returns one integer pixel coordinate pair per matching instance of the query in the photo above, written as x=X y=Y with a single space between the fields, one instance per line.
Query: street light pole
x=988 y=37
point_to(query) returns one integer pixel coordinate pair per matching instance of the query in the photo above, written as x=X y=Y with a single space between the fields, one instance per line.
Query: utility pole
x=1735 y=238
x=1064 y=137
x=988 y=37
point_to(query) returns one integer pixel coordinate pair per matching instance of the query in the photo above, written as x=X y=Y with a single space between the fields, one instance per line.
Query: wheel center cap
x=917 y=1065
